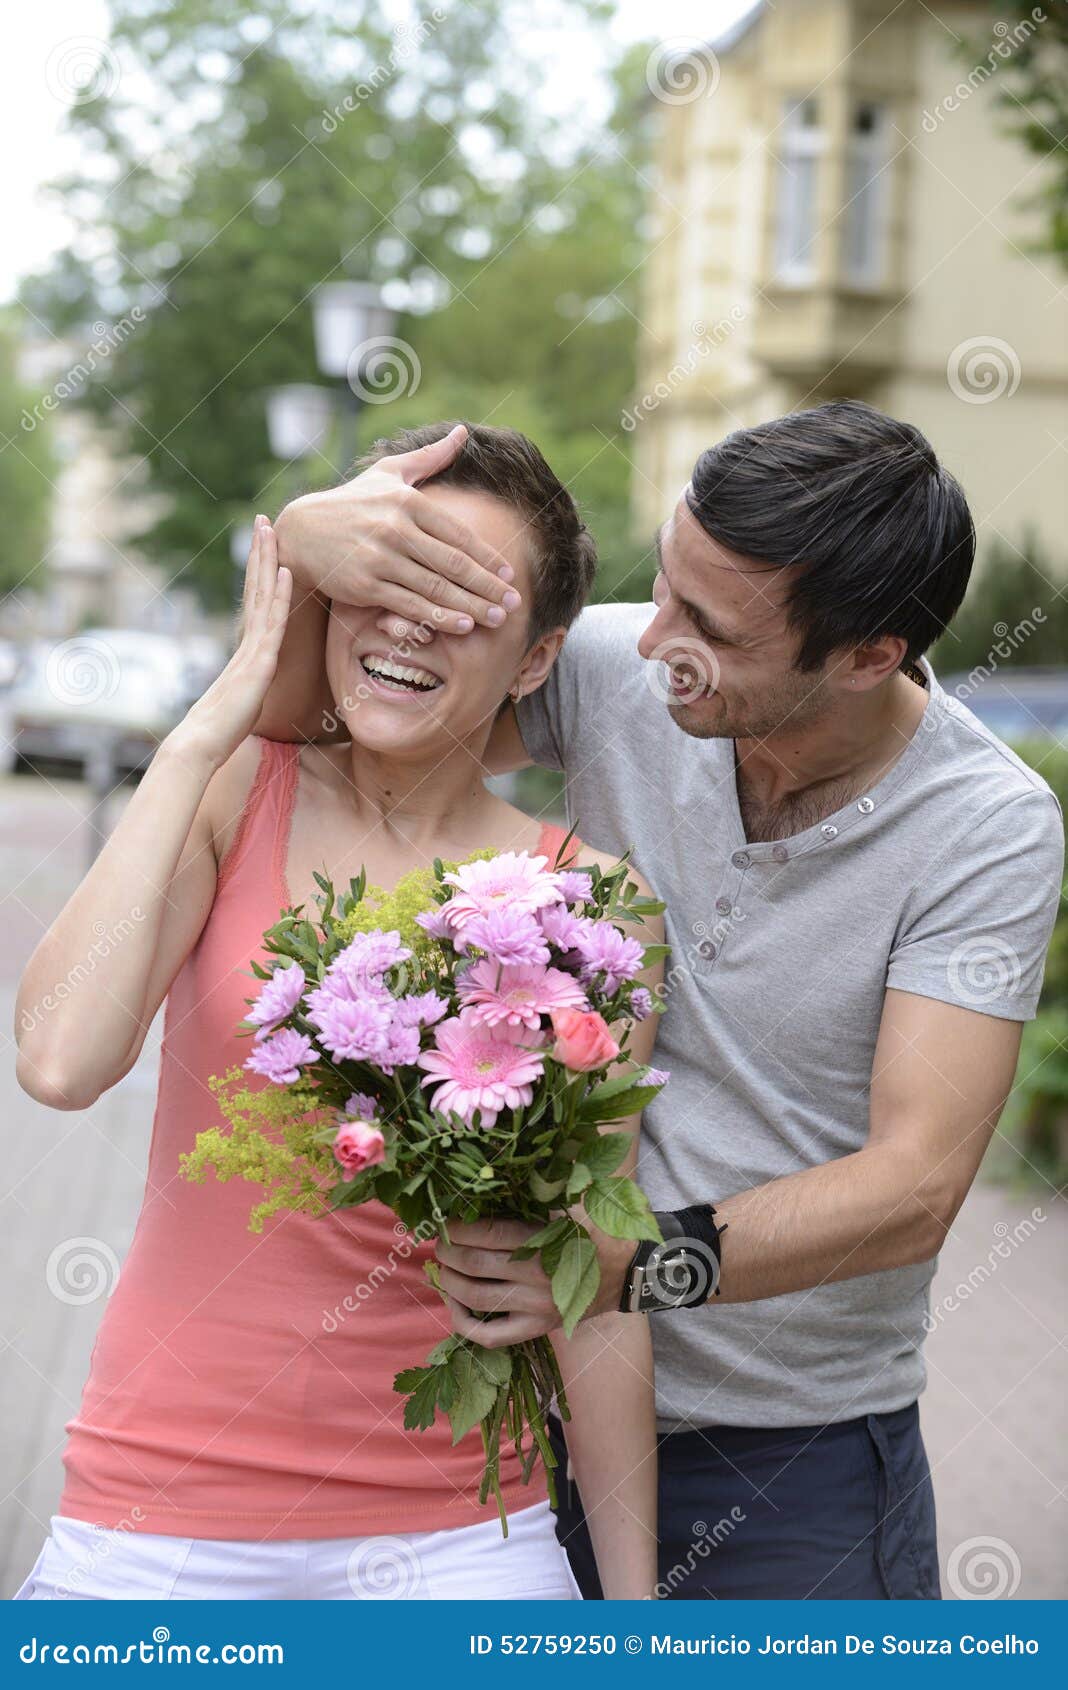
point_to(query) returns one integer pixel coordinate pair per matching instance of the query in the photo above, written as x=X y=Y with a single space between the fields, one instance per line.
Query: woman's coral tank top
x=241 y=1386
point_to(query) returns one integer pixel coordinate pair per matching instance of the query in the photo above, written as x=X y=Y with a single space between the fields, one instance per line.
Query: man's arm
x=940 y=1078
x=377 y=541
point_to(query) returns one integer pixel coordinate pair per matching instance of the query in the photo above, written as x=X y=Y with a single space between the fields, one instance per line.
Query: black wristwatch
x=680 y=1273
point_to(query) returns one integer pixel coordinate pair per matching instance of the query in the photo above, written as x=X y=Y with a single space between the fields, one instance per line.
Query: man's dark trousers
x=816 y=1512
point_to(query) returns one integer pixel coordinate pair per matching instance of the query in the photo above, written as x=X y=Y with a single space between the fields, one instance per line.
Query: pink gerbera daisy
x=518 y=994
x=480 y=1067
x=513 y=881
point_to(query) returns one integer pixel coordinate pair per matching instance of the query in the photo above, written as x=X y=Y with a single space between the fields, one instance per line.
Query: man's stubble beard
x=797 y=702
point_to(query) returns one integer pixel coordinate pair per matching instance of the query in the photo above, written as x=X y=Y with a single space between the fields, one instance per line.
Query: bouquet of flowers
x=445 y=1050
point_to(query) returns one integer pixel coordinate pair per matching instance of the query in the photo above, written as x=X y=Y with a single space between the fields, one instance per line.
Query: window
x=795 y=227
x=864 y=229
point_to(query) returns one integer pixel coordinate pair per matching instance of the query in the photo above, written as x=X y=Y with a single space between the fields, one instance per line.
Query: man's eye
x=660 y=590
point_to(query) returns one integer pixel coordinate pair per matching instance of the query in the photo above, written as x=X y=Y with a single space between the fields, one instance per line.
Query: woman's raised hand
x=228 y=710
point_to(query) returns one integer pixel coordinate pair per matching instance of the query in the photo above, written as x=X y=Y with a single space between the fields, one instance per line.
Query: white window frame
x=797 y=193
x=867 y=200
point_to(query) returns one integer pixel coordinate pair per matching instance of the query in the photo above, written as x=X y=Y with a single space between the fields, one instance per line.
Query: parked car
x=1016 y=704
x=106 y=697
x=9 y=663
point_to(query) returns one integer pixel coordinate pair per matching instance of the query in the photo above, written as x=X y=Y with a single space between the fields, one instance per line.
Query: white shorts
x=93 y=1563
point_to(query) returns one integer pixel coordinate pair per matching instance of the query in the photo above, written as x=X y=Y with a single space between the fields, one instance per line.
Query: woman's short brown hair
x=505 y=464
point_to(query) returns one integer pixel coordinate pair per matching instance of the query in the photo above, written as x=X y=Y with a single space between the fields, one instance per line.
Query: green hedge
x=1035 y=1121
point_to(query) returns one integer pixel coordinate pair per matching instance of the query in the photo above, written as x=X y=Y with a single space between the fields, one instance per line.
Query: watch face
x=681 y=1272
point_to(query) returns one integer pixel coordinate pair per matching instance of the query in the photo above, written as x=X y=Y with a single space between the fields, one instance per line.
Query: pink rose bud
x=583 y=1041
x=358 y=1146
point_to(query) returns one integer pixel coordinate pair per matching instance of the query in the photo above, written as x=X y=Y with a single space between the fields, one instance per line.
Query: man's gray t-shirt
x=942 y=881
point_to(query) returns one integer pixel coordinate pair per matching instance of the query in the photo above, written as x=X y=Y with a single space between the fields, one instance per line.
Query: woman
x=239 y=1435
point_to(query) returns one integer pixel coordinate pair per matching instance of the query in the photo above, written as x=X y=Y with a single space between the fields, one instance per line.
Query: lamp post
x=350 y=321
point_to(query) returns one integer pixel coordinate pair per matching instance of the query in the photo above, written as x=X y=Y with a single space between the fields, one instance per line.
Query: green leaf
x=556 y=1229
x=578 y=1179
x=474 y=1390
x=618 y=1107
x=420 y=1384
x=603 y=1154
x=575 y=1280
x=621 y=1209
x=655 y=953
x=545 y=1190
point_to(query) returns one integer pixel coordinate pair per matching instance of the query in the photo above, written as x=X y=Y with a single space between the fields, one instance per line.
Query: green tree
x=26 y=472
x=1033 y=84
x=240 y=160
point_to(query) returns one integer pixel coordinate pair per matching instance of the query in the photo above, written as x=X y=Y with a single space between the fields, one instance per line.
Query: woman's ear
x=537 y=663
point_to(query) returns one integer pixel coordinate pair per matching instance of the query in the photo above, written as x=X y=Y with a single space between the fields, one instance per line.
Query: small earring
x=515 y=694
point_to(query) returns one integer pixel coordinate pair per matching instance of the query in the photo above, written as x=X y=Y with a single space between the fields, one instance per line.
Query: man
x=860 y=884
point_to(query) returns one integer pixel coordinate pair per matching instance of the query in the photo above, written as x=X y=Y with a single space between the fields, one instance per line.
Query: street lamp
x=298 y=419
x=347 y=317
x=351 y=322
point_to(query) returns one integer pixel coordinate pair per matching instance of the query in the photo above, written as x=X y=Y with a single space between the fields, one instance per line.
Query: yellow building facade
x=840 y=210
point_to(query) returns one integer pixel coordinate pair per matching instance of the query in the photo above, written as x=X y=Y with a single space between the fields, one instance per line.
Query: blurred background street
x=248 y=241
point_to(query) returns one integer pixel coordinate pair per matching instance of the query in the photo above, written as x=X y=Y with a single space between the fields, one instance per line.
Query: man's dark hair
x=506 y=464
x=878 y=535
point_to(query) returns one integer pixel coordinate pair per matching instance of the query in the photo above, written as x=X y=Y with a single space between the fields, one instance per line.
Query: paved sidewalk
x=995 y=1413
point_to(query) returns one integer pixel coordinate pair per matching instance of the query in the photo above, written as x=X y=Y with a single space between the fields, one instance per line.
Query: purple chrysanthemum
x=606 y=952
x=278 y=997
x=657 y=1077
x=281 y=1057
x=421 y=1009
x=362 y=1106
x=434 y=923
x=560 y=927
x=507 y=935
x=641 y=1003
x=364 y=961
x=575 y=885
x=353 y=1028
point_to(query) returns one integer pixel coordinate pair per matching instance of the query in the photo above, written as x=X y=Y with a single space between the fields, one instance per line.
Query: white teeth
x=390 y=671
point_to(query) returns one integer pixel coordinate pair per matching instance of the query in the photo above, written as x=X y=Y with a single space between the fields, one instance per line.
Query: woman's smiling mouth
x=389 y=676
